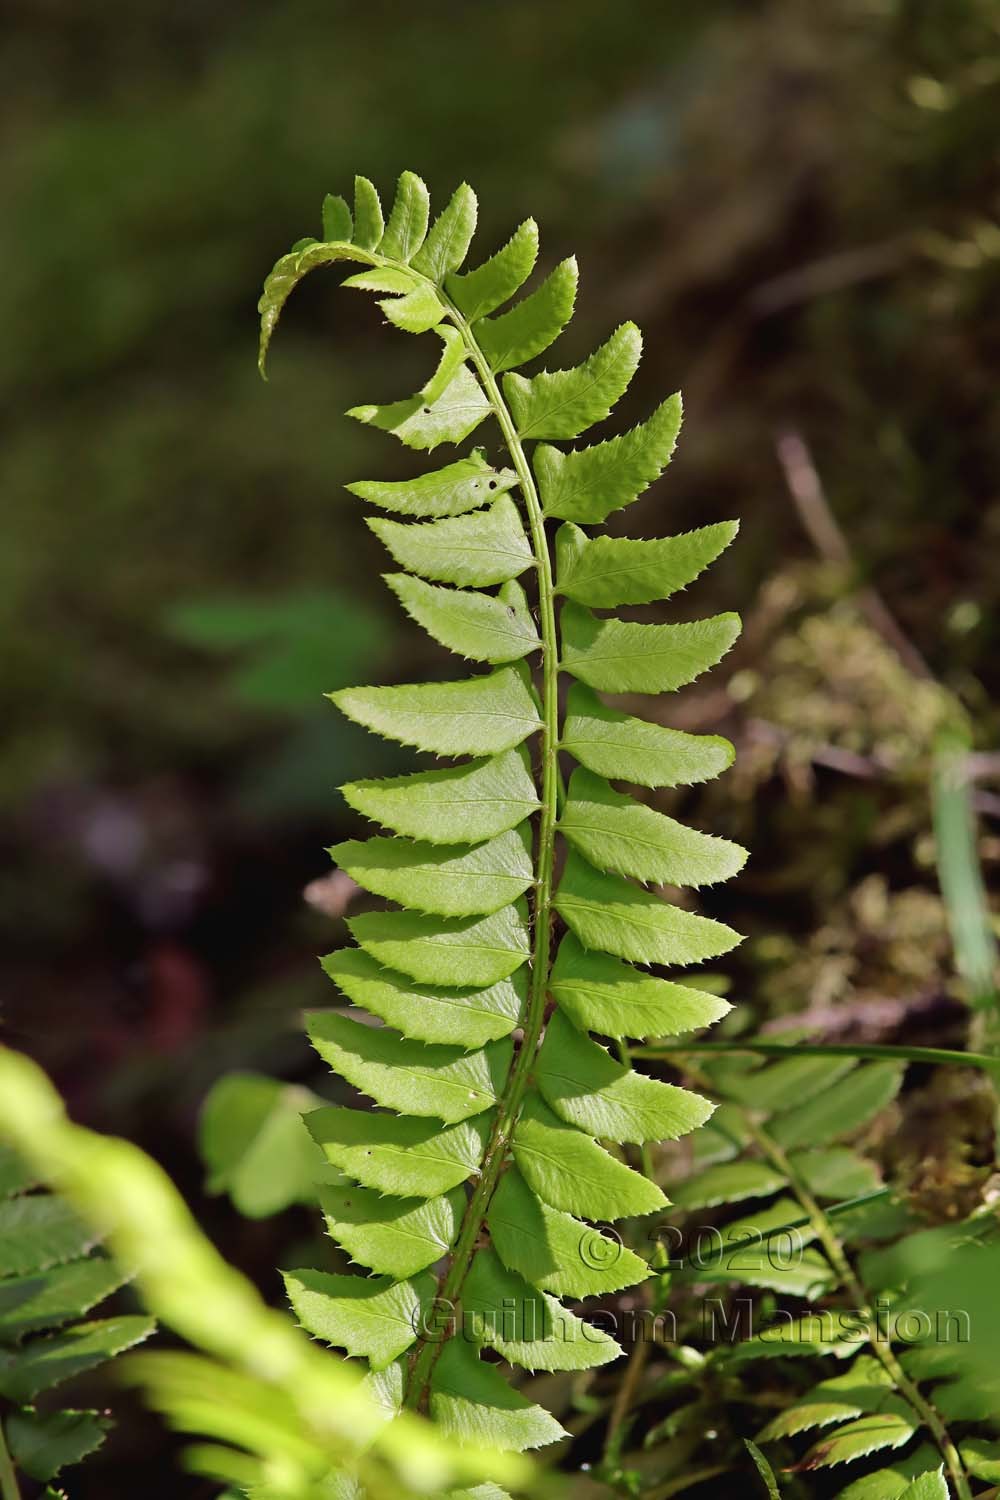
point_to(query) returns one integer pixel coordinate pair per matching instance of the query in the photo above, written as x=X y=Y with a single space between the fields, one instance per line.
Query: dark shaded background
x=799 y=204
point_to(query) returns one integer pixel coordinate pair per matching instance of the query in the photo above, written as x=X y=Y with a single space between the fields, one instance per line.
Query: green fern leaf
x=929 y=1486
x=408 y=1158
x=967 y=1400
x=812 y=1412
x=445 y=879
x=836 y=1173
x=764 y=1469
x=606 y=571
x=621 y=835
x=461 y=804
x=480 y=549
x=588 y=484
x=47 y=1299
x=407 y=226
x=894 y=1481
x=806 y=1275
x=529 y=1328
x=982 y=1459
x=618 y=656
x=565 y=403
x=451 y=491
x=570 y=1171
x=471 y=952
x=420 y=423
x=337 y=221
x=418 y=312
x=37 y=1232
x=606 y=912
x=472 y=1401
x=762 y=1251
x=254 y=1145
x=784 y=1085
x=626 y=749
x=447 y=244
x=42 y=1363
x=601 y=993
x=285 y=277
x=477 y=626
x=515 y=337
x=452 y=358
x=391 y=1236
x=487 y=287
x=554 y=1251
x=411 y=1077
x=809 y=1334
x=862 y=1388
x=478 y=717
x=368 y=223
x=840 y=1111
x=42 y=1444
x=729 y=1182
x=585 y=1087
x=891 y=1427
x=428 y=1013
x=371 y=1316
x=385 y=279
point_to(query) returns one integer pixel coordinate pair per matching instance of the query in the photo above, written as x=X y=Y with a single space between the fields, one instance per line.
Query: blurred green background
x=799 y=204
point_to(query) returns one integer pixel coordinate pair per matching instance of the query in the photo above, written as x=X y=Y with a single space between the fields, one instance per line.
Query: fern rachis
x=522 y=1125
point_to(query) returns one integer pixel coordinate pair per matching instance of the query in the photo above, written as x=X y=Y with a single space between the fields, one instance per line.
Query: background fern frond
x=811 y=1213
x=52 y=1276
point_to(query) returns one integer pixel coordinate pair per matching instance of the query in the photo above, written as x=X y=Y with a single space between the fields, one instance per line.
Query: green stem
x=9 y=1488
x=833 y=1049
x=512 y=1097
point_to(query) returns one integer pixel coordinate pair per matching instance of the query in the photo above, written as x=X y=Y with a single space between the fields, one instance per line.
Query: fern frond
x=807 y=1205
x=495 y=1150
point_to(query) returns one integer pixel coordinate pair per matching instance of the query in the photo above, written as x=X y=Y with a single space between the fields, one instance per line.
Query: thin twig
x=823 y=529
x=872 y=767
x=830 y=274
x=879 y=1051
